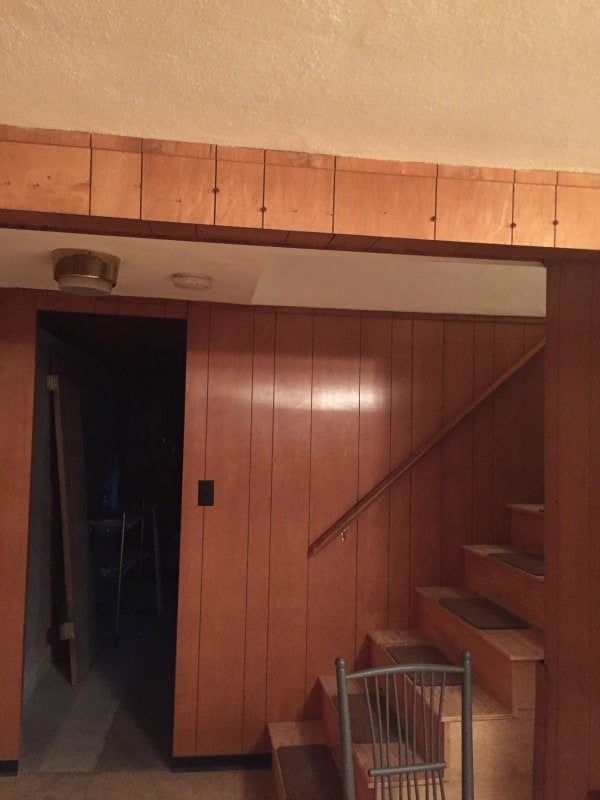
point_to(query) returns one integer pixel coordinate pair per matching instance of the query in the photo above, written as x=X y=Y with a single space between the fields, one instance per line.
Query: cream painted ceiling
x=488 y=82
x=274 y=276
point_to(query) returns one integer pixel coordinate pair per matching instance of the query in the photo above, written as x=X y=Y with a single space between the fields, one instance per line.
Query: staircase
x=502 y=581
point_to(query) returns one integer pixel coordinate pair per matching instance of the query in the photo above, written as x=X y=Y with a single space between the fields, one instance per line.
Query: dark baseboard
x=218 y=763
x=8 y=769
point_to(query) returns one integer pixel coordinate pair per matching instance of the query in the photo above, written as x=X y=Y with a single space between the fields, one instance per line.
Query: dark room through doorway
x=103 y=543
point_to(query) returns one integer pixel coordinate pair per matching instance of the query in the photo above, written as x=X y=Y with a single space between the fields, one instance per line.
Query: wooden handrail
x=365 y=501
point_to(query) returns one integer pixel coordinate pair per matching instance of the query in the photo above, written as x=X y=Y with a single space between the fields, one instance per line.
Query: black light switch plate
x=206 y=493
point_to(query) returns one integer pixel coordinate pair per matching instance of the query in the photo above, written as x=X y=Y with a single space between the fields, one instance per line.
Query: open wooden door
x=79 y=626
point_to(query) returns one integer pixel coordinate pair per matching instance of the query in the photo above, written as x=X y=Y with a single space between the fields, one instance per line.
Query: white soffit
x=502 y=83
x=289 y=277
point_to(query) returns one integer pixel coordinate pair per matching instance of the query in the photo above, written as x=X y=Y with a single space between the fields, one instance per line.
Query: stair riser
x=512 y=683
x=501 y=747
x=527 y=531
x=511 y=588
x=502 y=750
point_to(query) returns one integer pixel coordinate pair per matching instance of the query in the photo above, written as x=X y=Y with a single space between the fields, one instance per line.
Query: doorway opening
x=103 y=543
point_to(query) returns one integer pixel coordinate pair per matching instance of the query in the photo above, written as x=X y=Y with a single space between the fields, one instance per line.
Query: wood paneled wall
x=572 y=663
x=131 y=185
x=17 y=374
x=294 y=414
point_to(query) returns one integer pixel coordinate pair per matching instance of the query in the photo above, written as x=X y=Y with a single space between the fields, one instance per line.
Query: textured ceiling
x=491 y=82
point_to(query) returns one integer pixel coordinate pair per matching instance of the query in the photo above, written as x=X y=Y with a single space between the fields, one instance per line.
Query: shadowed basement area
x=97 y=719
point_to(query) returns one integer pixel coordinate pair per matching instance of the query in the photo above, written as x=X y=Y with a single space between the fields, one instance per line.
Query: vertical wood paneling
x=286 y=665
x=374 y=464
x=593 y=559
x=483 y=426
x=289 y=447
x=533 y=418
x=509 y=344
x=457 y=450
x=192 y=532
x=551 y=526
x=400 y=493
x=574 y=592
x=224 y=563
x=259 y=534
x=17 y=374
x=333 y=488
x=426 y=483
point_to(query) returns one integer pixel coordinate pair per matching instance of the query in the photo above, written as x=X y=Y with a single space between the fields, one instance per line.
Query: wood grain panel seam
x=245 y=650
x=307 y=598
x=411 y=601
x=513 y=223
x=208 y=351
x=275 y=321
x=357 y=522
x=555 y=222
x=390 y=467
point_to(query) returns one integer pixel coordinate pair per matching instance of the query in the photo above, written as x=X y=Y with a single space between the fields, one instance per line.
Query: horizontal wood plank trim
x=384 y=205
x=240 y=193
x=186 y=149
x=289 y=159
x=414 y=168
x=533 y=214
x=44 y=177
x=12 y=133
x=45 y=172
x=476 y=173
x=298 y=198
x=178 y=189
x=583 y=179
x=126 y=144
x=116 y=184
x=577 y=214
x=542 y=176
x=249 y=155
x=474 y=211
x=367 y=499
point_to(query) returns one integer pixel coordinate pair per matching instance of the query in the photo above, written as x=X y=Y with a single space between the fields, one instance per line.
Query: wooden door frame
x=50 y=301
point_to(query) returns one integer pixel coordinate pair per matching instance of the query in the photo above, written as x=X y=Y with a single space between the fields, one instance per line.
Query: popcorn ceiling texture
x=487 y=82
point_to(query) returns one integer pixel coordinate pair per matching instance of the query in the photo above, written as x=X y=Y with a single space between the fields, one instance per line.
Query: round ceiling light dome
x=85 y=272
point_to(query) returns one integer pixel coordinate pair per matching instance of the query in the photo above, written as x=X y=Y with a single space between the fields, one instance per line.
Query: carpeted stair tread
x=527 y=562
x=482 y=613
x=425 y=654
x=309 y=772
x=360 y=723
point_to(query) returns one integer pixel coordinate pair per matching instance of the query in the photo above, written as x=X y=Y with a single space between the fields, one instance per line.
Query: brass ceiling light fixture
x=85 y=272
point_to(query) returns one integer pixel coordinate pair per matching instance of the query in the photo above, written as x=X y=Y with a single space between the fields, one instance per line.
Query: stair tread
x=362 y=748
x=528 y=508
x=304 y=762
x=486 y=550
x=515 y=644
x=485 y=706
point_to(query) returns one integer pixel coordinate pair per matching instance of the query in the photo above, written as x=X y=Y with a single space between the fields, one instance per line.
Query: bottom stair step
x=303 y=765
